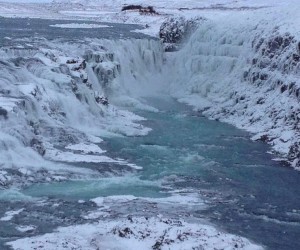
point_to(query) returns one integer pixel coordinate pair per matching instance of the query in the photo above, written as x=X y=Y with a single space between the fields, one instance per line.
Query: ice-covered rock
x=176 y=30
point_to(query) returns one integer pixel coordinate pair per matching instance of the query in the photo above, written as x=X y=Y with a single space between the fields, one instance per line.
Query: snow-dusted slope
x=247 y=74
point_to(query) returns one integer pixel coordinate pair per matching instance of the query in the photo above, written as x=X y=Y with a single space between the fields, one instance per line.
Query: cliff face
x=57 y=98
x=244 y=69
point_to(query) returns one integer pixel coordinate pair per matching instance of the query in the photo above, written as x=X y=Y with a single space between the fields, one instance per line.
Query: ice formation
x=246 y=74
x=54 y=102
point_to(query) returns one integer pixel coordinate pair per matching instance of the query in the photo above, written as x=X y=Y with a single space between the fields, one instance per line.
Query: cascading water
x=245 y=74
x=41 y=87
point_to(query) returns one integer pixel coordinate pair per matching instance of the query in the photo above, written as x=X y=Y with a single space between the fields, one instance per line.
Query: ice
x=10 y=214
x=86 y=148
x=25 y=229
x=116 y=198
x=62 y=156
x=72 y=157
x=79 y=26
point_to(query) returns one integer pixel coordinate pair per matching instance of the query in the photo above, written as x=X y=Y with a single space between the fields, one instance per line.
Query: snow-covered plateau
x=61 y=100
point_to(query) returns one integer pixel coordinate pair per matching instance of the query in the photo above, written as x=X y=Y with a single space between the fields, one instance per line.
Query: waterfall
x=59 y=94
x=246 y=74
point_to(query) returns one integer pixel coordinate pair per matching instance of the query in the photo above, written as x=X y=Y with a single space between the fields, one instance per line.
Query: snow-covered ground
x=110 y=10
x=134 y=231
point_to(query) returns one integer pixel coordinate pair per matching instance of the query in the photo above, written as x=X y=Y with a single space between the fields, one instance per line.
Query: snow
x=87 y=156
x=110 y=11
x=24 y=229
x=10 y=214
x=79 y=26
x=136 y=233
x=86 y=148
x=73 y=158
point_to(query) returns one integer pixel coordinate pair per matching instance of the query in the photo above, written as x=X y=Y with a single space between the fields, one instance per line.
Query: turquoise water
x=247 y=193
x=89 y=189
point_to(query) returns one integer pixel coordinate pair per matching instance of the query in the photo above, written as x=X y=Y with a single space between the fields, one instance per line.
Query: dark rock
x=3 y=112
x=264 y=138
x=101 y=99
x=260 y=101
x=294 y=154
x=254 y=61
x=71 y=61
x=38 y=146
x=140 y=9
x=279 y=82
x=83 y=64
x=245 y=75
x=131 y=7
x=263 y=77
x=283 y=88
x=5 y=91
x=297 y=93
x=296 y=58
x=175 y=30
x=123 y=233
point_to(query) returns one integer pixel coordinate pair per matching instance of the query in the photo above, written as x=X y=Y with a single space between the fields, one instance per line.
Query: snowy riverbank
x=112 y=227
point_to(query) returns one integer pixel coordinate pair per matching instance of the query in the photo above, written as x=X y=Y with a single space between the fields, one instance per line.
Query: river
x=245 y=192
